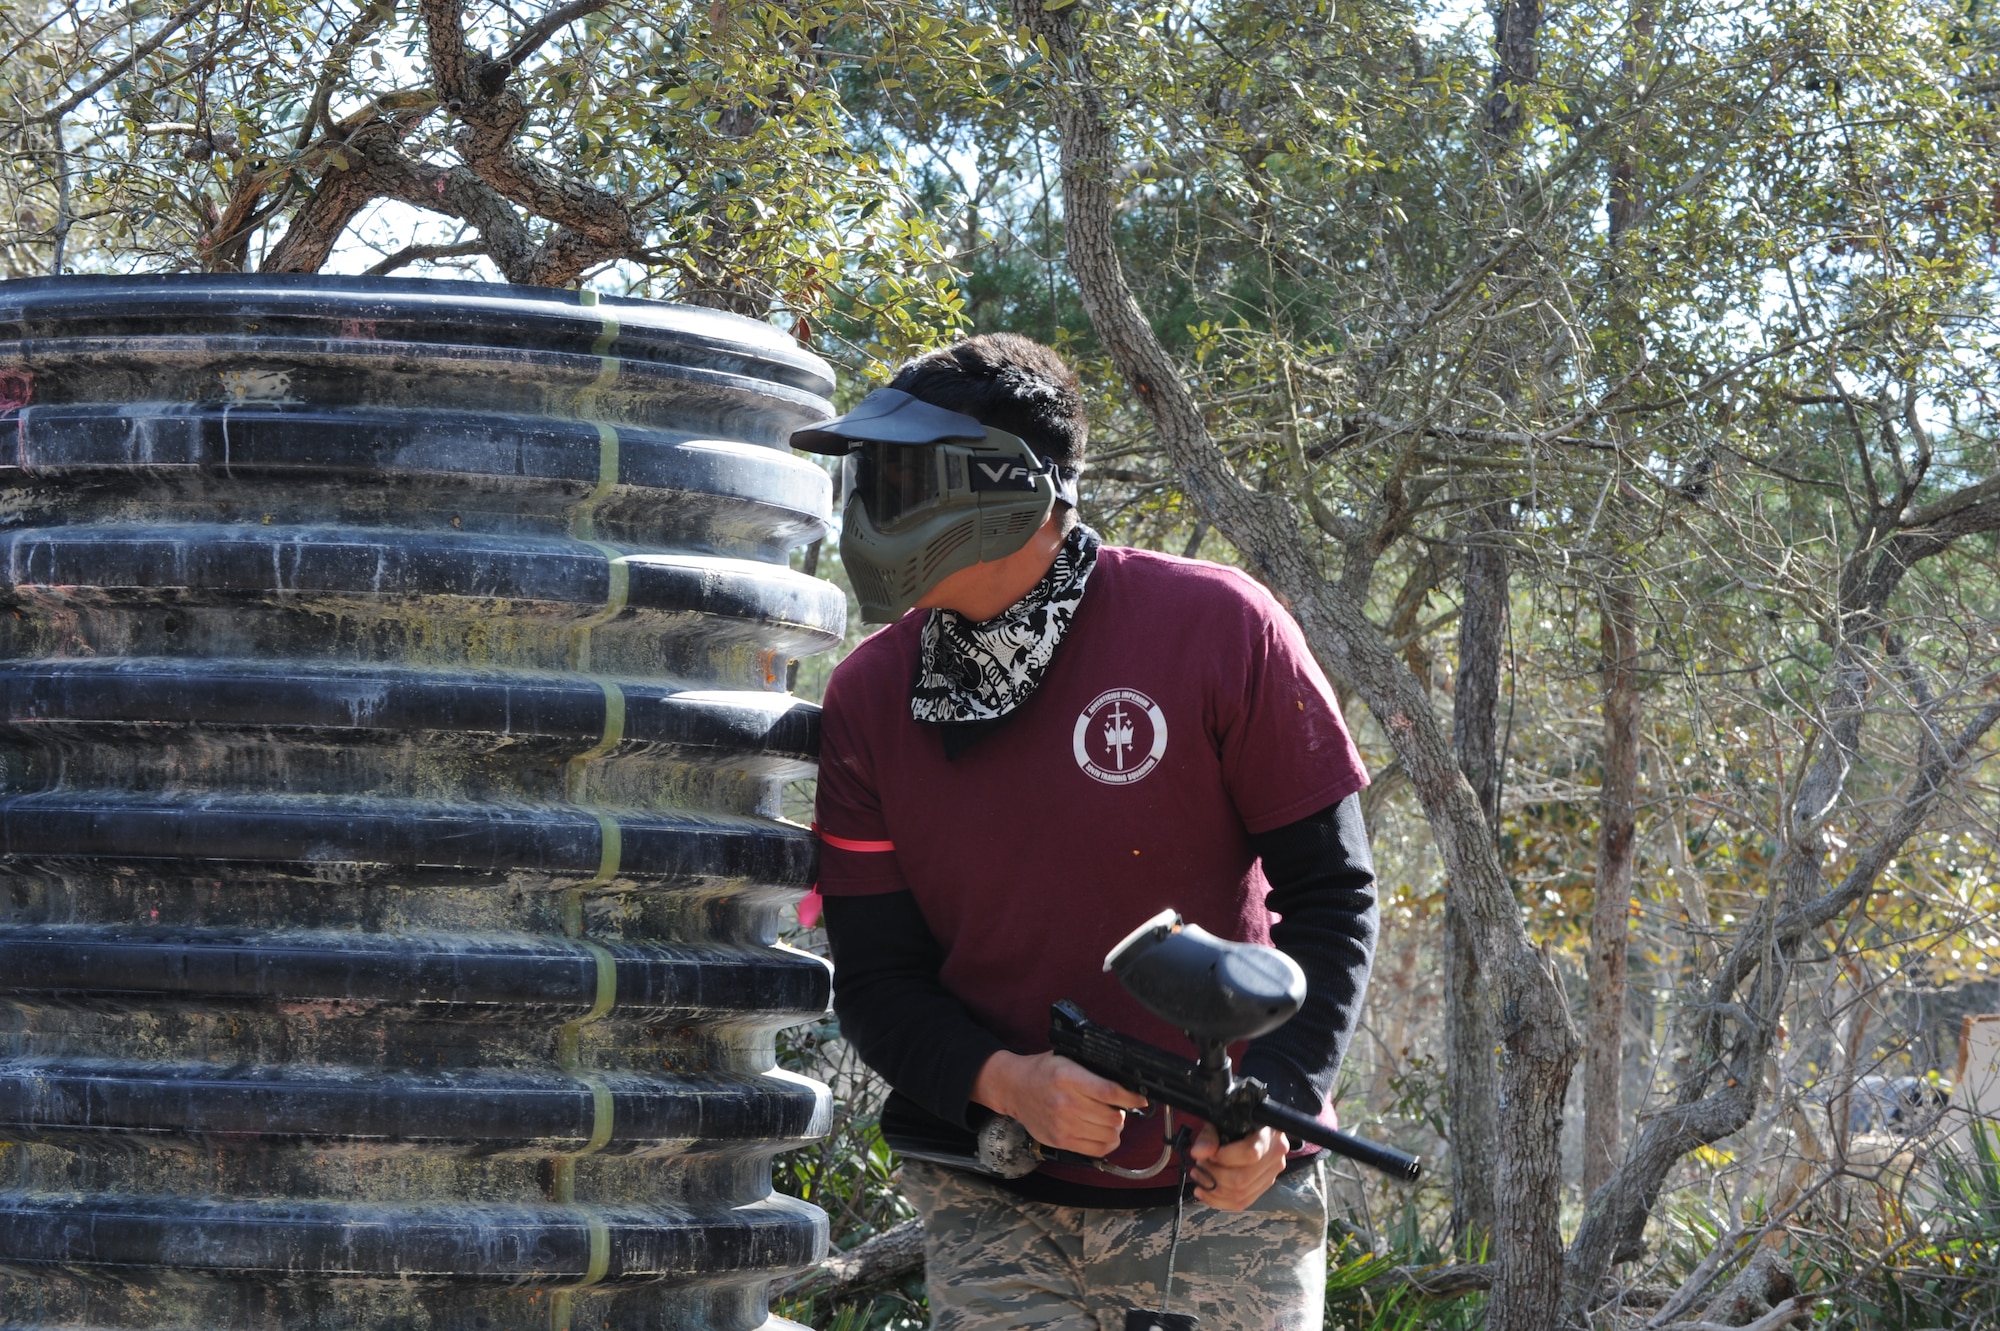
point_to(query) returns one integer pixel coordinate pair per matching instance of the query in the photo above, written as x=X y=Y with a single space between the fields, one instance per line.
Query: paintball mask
x=928 y=492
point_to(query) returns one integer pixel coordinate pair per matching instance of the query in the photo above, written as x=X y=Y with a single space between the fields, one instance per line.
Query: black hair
x=1006 y=382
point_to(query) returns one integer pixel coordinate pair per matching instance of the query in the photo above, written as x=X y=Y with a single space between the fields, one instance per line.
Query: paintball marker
x=1215 y=991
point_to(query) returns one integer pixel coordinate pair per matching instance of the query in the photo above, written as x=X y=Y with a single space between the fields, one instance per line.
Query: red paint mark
x=848 y=843
x=358 y=328
x=768 y=663
x=17 y=389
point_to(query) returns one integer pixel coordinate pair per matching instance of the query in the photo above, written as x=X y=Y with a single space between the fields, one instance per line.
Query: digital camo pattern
x=997 y=1262
x=977 y=672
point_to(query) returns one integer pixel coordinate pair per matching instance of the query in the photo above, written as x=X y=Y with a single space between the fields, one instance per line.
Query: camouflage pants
x=998 y=1262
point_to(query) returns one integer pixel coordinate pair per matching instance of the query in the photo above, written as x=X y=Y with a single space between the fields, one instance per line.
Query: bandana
x=981 y=672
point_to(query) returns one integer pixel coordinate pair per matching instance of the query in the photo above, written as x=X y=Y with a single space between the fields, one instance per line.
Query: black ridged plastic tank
x=392 y=731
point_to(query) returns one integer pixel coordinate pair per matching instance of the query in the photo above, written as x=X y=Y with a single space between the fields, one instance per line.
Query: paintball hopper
x=1214 y=990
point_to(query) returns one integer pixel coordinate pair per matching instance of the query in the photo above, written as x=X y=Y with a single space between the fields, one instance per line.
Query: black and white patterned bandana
x=980 y=672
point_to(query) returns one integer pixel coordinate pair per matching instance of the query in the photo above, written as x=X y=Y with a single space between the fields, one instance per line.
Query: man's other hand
x=1061 y=1104
x=1232 y=1177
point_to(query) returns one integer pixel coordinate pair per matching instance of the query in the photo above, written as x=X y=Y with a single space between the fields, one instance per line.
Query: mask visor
x=896 y=483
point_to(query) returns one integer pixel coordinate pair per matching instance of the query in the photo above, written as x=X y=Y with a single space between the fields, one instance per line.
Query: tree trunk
x=1395 y=995
x=1610 y=917
x=1471 y=1025
x=1472 y=1086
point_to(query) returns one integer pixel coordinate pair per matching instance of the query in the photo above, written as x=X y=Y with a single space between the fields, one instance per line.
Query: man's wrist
x=994 y=1086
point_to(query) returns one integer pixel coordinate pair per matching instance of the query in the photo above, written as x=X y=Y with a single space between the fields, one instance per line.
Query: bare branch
x=338 y=61
x=458 y=192
x=1949 y=508
x=1933 y=779
x=380 y=108
x=1441 y=1282
x=1763 y=949
x=1444 y=303
x=546 y=27
x=178 y=20
x=1789 y=1313
x=1464 y=434
x=410 y=254
x=488 y=145
x=890 y=1257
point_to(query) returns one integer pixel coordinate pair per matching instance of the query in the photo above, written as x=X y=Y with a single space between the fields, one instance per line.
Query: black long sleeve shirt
x=908 y=1027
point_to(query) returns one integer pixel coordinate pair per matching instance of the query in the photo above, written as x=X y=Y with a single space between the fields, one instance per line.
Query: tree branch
x=338 y=61
x=1441 y=1282
x=457 y=191
x=1974 y=496
x=546 y=27
x=178 y=20
x=487 y=141
x=362 y=167
x=410 y=254
x=1792 y=1311
x=444 y=40
x=889 y=1258
x=1933 y=779
x=1443 y=303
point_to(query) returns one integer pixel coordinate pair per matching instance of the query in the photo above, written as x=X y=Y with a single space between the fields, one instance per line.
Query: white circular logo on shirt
x=1120 y=737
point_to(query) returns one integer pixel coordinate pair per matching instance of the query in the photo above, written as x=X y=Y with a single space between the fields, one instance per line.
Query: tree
x=703 y=152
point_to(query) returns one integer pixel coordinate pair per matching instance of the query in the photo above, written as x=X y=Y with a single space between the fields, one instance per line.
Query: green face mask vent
x=869 y=586
x=1003 y=525
x=944 y=547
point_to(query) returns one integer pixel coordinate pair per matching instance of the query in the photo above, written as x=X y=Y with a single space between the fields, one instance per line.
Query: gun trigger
x=1166 y=1151
x=1166 y=1158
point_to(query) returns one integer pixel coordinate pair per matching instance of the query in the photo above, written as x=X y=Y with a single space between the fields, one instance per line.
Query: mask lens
x=894 y=481
x=856 y=475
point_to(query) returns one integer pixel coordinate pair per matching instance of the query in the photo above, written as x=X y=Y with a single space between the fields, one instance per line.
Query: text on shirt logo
x=1120 y=737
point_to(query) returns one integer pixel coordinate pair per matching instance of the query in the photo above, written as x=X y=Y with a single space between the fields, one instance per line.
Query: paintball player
x=1064 y=739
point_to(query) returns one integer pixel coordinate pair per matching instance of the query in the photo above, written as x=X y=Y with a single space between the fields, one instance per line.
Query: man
x=1063 y=739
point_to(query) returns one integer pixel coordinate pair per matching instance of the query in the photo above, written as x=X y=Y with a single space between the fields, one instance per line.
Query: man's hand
x=1231 y=1177
x=1060 y=1103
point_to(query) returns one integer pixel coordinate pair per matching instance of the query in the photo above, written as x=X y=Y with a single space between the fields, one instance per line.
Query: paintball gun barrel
x=1236 y=1107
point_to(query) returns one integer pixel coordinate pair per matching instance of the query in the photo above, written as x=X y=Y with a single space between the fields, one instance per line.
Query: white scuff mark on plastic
x=364 y=699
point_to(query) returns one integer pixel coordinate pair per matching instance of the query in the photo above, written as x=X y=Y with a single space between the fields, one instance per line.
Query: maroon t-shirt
x=1181 y=713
